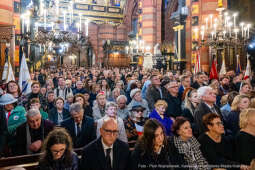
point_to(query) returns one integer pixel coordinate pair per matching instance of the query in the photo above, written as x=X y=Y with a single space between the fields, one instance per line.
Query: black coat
x=3 y=130
x=53 y=116
x=21 y=136
x=93 y=156
x=232 y=123
x=174 y=104
x=87 y=134
x=60 y=164
x=152 y=95
x=201 y=110
x=187 y=114
x=176 y=158
x=219 y=154
x=140 y=160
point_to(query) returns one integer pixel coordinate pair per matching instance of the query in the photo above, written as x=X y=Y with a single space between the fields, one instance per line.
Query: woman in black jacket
x=184 y=148
x=151 y=151
x=190 y=103
x=58 y=152
x=216 y=148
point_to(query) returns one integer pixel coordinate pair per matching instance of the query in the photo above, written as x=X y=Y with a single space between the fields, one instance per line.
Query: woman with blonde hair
x=239 y=103
x=58 y=152
x=159 y=113
x=245 y=139
x=191 y=102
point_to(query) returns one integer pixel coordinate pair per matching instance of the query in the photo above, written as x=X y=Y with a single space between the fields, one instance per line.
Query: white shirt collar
x=105 y=146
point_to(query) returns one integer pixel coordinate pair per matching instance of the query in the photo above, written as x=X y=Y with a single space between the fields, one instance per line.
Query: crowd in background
x=169 y=120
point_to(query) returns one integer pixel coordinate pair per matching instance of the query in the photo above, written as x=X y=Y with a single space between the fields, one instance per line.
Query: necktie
x=78 y=129
x=108 y=159
x=214 y=110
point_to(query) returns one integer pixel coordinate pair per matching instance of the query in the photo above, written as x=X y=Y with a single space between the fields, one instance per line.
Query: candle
x=212 y=34
x=202 y=34
x=52 y=25
x=206 y=23
x=224 y=34
x=242 y=26
x=28 y=24
x=44 y=17
x=235 y=14
x=211 y=16
x=87 y=27
x=245 y=32
x=248 y=29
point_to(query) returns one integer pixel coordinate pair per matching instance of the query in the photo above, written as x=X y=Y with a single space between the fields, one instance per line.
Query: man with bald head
x=107 y=152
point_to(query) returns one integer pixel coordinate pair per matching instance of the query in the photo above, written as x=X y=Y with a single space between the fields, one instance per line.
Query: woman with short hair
x=245 y=139
x=159 y=113
x=184 y=147
x=216 y=148
x=151 y=150
x=58 y=152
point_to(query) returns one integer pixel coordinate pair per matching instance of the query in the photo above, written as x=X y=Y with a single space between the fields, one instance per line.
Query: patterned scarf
x=192 y=153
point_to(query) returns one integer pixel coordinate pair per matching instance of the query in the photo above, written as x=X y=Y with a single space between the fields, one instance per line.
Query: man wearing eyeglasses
x=80 y=127
x=106 y=152
x=172 y=98
x=111 y=112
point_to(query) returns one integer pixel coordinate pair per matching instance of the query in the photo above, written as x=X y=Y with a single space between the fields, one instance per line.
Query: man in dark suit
x=207 y=105
x=80 y=127
x=106 y=152
x=30 y=135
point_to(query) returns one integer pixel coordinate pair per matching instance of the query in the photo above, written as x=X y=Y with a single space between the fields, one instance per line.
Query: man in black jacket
x=106 y=152
x=207 y=105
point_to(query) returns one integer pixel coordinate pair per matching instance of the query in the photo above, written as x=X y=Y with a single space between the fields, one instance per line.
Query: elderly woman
x=152 y=148
x=239 y=103
x=159 y=114
x=111 y=111
x=216 y=148
x=58 y=152
x=134 y=122
x=136 y=96
x=245 y=139
x=184 y=147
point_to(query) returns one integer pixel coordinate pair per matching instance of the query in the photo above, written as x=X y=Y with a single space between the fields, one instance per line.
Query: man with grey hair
x=122 y=111
x=207 y=105
x=30 y=135
x=107 y=152
x=111 y=111
x=80 y=127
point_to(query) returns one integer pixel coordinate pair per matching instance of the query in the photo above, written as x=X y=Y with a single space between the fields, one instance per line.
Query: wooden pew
x=30 y=162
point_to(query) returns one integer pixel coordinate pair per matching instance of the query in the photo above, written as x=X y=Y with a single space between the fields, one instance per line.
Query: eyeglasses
x=59 y=151
x=217 y=123
x=172 y=86
x=111 y=132
x=138 y=110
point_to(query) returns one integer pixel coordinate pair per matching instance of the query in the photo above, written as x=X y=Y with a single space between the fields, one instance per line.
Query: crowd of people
x=126 y=118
